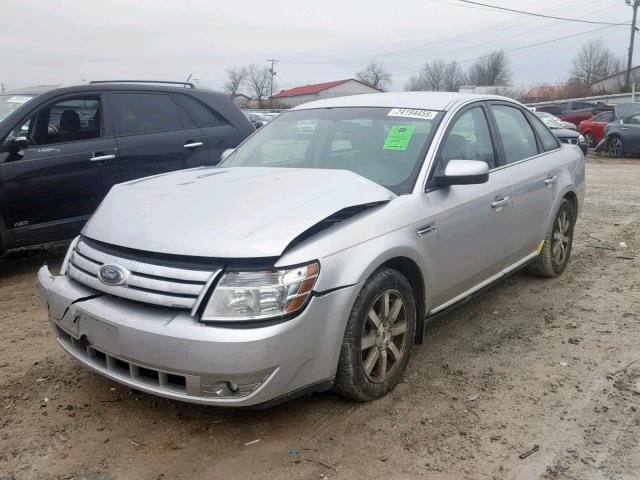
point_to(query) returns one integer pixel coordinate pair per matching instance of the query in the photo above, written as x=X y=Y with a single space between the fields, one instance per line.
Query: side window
x=69 y=120
x=604 y=117
x=517 y=136
x=199 y=113
x=635 y=120
x=135 y=113
x=468 y=139
x=548 y=139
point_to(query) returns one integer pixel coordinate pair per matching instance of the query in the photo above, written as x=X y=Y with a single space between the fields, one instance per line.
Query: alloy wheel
x=560 y=238
x=615 y=147
x=383 y=343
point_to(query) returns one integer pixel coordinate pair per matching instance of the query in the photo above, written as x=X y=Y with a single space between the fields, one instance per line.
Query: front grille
x=171 y=382
x=147 y=282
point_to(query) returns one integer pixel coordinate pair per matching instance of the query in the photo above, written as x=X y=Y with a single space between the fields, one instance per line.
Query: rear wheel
x=378 y=338
x=556 y=250
x=615 y=146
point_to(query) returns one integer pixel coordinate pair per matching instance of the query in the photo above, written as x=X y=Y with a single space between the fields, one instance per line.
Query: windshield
x=549 y=120
x=385 y=145
x=10 y=103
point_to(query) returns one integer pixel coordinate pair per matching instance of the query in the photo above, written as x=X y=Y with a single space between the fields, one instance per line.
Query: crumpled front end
x=169 y=352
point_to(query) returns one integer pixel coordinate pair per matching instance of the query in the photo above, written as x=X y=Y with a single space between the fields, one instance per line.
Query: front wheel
x=378 y=338
x=554 y=256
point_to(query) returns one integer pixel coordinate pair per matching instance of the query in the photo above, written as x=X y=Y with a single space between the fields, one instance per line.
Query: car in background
x=574 y=111
x=62 y=149
x=622 y=136
x=592 y=129
x=304 y=264
x=565 y=135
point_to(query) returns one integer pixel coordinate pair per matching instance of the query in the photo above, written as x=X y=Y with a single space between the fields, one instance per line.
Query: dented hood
x=241 y=212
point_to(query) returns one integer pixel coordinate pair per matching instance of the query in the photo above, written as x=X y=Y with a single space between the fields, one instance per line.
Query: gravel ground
x=546 y=367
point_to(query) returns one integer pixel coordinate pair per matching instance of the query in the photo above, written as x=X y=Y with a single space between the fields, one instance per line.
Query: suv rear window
x=135 y=113
x=199 y=113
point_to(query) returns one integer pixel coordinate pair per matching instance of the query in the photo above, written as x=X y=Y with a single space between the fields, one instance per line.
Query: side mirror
x=226 y=153
x=463 y=172
x=15 y=144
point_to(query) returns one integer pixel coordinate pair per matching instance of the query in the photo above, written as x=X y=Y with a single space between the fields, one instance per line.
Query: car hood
x=565 y=133
x=241 y=212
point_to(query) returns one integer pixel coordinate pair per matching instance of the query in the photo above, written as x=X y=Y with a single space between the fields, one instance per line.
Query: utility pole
x=272 y=71
x=627 y=78
x=1 y=88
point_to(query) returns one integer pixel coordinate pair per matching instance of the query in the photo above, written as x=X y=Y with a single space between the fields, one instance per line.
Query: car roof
x=420 y=100
x=35 y=90
x=41 y=89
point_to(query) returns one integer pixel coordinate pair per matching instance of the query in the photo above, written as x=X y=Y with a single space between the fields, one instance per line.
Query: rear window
x=199 y=113
x=136 y=113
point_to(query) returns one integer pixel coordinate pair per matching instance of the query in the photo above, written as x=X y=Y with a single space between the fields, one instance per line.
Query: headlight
x=261 y=295
x=581 y=139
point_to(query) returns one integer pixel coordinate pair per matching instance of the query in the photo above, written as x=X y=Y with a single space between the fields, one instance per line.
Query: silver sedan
x=313 y=255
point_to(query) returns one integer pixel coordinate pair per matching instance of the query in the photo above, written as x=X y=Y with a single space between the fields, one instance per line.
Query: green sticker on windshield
x=399 y=137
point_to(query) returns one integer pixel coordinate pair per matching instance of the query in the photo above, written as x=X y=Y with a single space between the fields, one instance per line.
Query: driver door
x=470 y=223
x=53 y=185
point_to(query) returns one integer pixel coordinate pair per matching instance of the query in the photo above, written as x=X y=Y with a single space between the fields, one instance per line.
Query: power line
x=445 y=41
x=522 y=12
x=515 y=49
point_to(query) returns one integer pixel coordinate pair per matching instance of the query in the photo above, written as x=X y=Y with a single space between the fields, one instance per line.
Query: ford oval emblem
x=112 y=274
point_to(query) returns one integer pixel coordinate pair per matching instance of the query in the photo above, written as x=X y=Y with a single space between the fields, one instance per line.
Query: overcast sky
x=66 y=41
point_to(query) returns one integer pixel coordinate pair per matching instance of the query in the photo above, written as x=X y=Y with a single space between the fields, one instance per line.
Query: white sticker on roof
x=412 y=113
x=19 y=99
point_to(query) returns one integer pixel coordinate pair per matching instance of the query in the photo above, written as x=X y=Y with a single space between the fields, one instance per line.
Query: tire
x=589 y=140
x=615 y=146
x=556 y=250
x=362 y=373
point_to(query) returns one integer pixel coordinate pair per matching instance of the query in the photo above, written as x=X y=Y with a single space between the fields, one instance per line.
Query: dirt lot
x=531 y=362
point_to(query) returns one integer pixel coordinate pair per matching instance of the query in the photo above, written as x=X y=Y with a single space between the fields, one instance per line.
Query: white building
x=298 y=95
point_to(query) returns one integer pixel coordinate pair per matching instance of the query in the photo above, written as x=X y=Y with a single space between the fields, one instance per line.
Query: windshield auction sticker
x=18 y=99
x=399 y=137
x=412 y=113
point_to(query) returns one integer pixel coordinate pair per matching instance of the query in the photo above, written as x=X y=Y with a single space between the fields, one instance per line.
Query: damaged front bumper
x=168 y=352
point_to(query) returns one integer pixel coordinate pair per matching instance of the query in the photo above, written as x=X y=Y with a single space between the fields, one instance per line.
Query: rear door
x=220 y=134
x=58 y=181
x=152 y=135
x=533 y=169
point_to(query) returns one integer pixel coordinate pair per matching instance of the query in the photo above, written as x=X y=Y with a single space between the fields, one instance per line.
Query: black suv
x=61 y=149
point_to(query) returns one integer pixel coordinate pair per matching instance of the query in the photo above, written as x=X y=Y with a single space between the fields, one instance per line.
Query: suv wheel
x=554 y=256
x=378 y=338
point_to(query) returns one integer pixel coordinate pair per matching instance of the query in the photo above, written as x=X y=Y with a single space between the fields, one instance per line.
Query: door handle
x=102 y=158
x=551 y=179
x=500 y=201
x=193 y=144
x=624 y=128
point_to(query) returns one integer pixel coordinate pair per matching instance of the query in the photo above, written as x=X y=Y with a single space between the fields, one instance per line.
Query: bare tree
x=375 y=76
x=454 y=77
x=437 y=76
x=258 y=79
x=593 y=62
x=236 y=77
x=491 y=70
